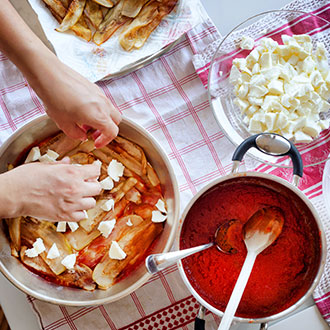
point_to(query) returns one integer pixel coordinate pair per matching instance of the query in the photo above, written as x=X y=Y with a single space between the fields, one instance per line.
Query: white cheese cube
x=116 y=252
x=268 y=44
x=299 y=123
x=31 y=253
x=324 y=91
x=282 y=120
x=97 y=162
x=69 y=261
x=316 y=79
x=39 y=245
x=243 y=104
x=321 y=51
x=265 y=61
x=255 y=126
x=285 y=100
x=255 y=100
x=73 y=226
x=271 y=73
x=106 y=227
x=158 y=216
x=33 y=155
x=61 y=226
x=253 y=57
x=107 y=183
x=52 y=154
x=115 y=170
x=311 y=128
x=308 y=65
x=247 y=42
x=243 y=90
x=108 y=205
x=293 y=60
x=258 y=79
x=323 y=106
x=46 y=159
x=252 y=110
x=257 y=91
x=161 y=206
x=235 y=75
x=276 y=87
x=301 y=137
x=53 y=252
x=129 y=223
x=324 y=124
x=256 y=69
x=270 y=119
x=240 y=62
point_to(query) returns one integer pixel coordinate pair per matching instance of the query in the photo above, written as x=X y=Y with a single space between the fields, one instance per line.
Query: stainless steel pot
x=275 y=145
x=39 y=288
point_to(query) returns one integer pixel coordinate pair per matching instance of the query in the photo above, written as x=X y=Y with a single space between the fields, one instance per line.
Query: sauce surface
x=281 y=274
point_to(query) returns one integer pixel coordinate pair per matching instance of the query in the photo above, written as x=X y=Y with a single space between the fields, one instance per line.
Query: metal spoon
x=260 y=231
x=157 y=262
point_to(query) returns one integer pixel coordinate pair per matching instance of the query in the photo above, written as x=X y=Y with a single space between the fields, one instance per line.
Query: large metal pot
x=39 y=288
x=277 y=146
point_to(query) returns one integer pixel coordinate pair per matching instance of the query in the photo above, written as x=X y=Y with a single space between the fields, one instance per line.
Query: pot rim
x=144 y=278
x=310 y=206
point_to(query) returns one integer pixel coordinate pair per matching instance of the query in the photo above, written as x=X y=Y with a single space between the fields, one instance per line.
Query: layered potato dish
x=98 y=20
x=116 y=235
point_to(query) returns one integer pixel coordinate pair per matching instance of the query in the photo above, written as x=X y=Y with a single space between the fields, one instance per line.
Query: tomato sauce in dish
x=281 y=274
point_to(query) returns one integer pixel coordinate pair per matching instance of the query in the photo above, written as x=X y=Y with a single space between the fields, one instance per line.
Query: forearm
x=22 y=46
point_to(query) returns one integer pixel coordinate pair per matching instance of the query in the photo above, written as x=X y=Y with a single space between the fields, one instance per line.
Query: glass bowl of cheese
x=271 y=73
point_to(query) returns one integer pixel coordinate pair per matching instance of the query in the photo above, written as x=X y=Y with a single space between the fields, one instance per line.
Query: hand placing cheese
x=283 y=88
x=56 y=191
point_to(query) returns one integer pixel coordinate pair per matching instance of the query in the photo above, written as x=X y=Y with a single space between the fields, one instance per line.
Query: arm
x=70 y=100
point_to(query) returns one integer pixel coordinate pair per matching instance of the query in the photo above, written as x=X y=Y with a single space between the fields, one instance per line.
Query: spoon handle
x=238 y=291
x=157 y=262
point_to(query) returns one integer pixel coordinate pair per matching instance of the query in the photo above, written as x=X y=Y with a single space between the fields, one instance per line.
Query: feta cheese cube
x=243 y=105
x=235 y=75
x=31 y=253
x=129 y=223
x=270 y=119
x=39 y=245
x=69 y=261
x=61 y=226
x=115 y=170
x=265 y=60
x=116 y=252
x=73 y=226
x=52 y=154
x=247 y=42
x=106 y=227
x=243 y=90
x=33 y=155
x=255 y=126
x=257 y=91
x=108 y=205
x=53 y=252
x=311 y=128
x=107 y=183
x=161 y=206
x=301 y=137
x=276 y=87
x=158 y=216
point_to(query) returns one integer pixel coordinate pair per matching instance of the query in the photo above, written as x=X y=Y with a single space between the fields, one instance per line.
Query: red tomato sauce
x=281 y=274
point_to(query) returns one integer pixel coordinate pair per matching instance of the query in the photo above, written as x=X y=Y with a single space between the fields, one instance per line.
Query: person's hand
x=51 y=191
x=76 y=105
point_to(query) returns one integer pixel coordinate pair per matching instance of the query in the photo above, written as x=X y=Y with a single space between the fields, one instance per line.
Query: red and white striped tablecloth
x=168 y=99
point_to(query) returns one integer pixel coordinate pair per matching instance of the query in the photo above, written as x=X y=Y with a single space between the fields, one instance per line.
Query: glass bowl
x=272 y=24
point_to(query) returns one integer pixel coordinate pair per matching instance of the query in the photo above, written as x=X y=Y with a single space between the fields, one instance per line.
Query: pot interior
x=282 y=273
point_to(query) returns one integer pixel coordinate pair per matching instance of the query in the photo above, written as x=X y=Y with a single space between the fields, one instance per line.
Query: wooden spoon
x=260 y=231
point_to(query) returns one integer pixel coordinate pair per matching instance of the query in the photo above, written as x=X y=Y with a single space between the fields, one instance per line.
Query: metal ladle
x=160 y=261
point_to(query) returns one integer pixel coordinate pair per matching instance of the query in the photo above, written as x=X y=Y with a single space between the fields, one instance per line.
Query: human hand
x=76 y=104
x=55 y=191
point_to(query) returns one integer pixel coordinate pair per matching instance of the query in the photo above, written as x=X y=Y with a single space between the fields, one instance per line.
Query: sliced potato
x=59 y=143
x=94 y=252
x=72 y=16
x=93 y=13
x=152 y=176
x=81 y=29
x=31 y=230
x=57 y=7
x=111 y=23
x=105 y=3
x=14 y=228
x=131 y=8
x=136 y=34
x=80 y=238
x=134 y=243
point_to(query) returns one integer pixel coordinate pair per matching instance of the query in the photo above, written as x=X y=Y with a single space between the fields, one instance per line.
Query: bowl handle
x=270 y=144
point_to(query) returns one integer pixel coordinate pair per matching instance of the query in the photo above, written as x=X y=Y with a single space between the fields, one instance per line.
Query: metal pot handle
x=200 y=320
x=270 y=144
